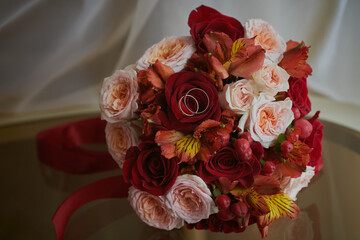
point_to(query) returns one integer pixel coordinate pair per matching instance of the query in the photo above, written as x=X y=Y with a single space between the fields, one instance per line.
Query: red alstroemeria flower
x=296 y=160
x=152 y=81
x=294 y=60
x=240 y=58
x=199 y=63
x=152 y=123
x=208 y=137
x=266 y=202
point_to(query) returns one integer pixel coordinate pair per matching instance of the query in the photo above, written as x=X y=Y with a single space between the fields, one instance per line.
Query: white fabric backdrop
x=54 y=54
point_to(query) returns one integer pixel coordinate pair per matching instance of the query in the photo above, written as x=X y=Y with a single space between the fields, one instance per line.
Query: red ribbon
x=60 y=148
x=113 y=187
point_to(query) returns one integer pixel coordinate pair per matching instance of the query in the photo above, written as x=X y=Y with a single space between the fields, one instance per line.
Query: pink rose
x=118 y=96
x=296 y=184
x=191 y=199
x=119 y=138
x=271 y=79
x=266 y=36
x=238 y=96
x=172 y=51
x=153 y=211
x=267 y=119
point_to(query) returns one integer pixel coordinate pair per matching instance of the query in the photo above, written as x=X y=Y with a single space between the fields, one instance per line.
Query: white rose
x=238 y=96
x=172 y=51
x=153 y=210
x=119 y=138
x=267 y=119
x=118 y=96
x=271 y=78
x=190 y=198
x=266 y=36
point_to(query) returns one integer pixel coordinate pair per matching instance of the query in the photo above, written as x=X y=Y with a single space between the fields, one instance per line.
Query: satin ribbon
x=113 y=187
x=61 y=148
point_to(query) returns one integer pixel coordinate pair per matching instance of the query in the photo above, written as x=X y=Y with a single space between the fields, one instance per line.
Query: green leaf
x=216 y=192
x=262 y=161
x=277 y=148
x=281 y=138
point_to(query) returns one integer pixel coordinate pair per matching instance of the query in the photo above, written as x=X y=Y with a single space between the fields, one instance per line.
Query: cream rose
x=172 y=51
x=191 y=199
x=238 y=96
x=266 y=36
x=153 y=211
x=267 y=119
x=119 y=138
x=296 y=184
x=271 y=78
x=118 y=96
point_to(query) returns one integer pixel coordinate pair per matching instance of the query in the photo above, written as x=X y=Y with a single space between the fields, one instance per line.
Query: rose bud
x=223 y=201
x=296 y=112
x=241 y=145
x=239 y=209
x=247 y=136
x=286 y=147
x=305 y=127
x=225 y=214
x=268 y=168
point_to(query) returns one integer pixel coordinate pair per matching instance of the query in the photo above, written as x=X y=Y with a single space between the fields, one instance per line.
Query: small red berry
x=305 y=127
x=268 y=168
x=223 y=201
x=225 y=214
x=286 y=147
x=241 y=145
x=239 y=209
x=246 y=155
x=247 y=136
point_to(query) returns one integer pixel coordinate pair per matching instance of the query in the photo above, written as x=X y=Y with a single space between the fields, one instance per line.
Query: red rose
x=298 y=93
x=205 y=19
x=147 y=170
x=227 y=163
x=314 y=142
x=191 y=99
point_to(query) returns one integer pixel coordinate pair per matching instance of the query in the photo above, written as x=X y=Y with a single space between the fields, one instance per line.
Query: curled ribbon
x=60 y=148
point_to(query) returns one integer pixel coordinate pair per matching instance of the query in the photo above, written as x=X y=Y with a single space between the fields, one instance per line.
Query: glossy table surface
x=31 y=192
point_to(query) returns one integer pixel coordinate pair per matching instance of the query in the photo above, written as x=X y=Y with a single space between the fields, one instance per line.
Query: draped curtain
x=55 y=54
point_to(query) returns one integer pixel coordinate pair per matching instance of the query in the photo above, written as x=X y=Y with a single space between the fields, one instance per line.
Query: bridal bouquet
x=209 y=129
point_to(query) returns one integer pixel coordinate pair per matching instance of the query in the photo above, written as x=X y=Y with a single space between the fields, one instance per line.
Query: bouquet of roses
x=209 y=129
